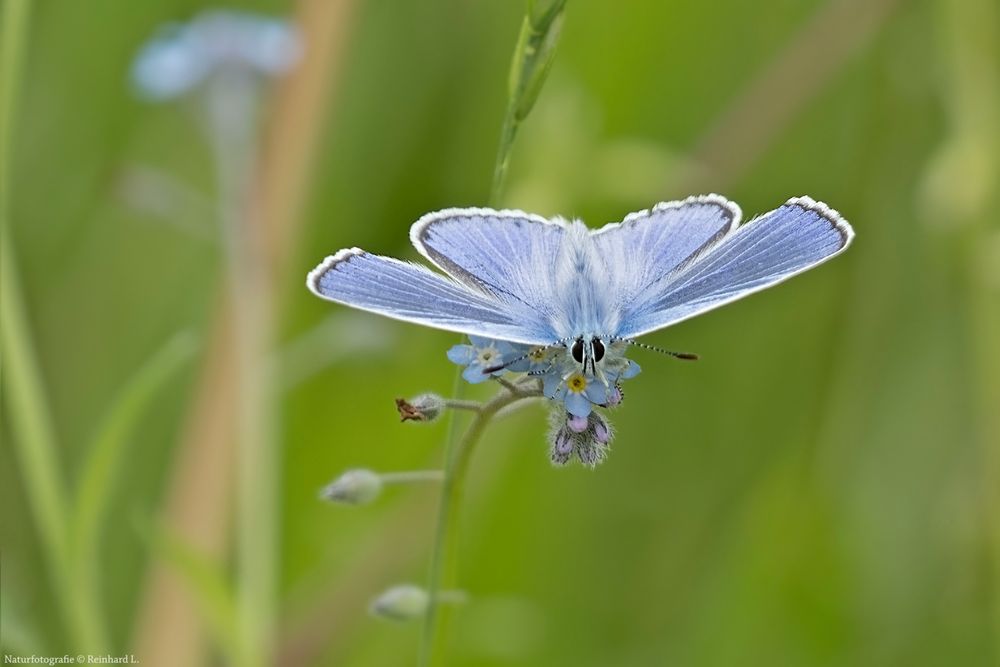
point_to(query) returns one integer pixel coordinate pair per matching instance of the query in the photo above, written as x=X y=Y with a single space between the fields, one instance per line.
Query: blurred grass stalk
x=104 y=462
x=70 y=534
x=961 y=191
x=750 y=123
x=533 y=57
x=232 y=127
x=34 y=435
x=259 y=207
x=532 y=60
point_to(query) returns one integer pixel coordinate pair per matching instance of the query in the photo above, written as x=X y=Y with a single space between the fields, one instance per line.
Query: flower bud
x=602 y=433
x=577 y=424
x=591 y=453
x=423 y=408
x=562 y=446
x=401 y=603
x=615 y=396
x=353 y=487
x=588 y=438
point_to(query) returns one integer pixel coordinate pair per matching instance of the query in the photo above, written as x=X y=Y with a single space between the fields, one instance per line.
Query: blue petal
x=503 y=347
x=519 y=366
x=463 y=355
x=480 y=342
x=578 y=404
x=511 y=352
x=631 y=370
x=552 y=385
x=473 y=373
x=596 y=392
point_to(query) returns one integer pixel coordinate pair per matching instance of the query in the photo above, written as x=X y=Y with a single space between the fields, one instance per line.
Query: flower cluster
x=577 y=429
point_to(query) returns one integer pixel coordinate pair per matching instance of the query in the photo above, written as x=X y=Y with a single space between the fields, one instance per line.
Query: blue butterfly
x=517 y=277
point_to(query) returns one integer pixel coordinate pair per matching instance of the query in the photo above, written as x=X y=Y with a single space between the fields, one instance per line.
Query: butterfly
x=518 y=277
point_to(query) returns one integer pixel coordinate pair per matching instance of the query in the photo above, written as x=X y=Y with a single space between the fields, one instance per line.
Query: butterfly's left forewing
x=763 y=252
x=413 y=293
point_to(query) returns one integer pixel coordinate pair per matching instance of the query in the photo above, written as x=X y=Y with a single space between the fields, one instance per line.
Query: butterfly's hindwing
x=649 y=244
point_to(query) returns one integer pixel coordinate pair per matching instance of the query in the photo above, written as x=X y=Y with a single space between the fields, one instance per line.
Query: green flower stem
x=507 y=384
x=411 y=476
x=511 y=409
x=444 y=555
x=459 y=404
x=533 y=57
x=452 y=597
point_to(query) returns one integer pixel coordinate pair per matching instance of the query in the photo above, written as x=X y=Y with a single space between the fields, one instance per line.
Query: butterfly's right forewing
x=763 y=252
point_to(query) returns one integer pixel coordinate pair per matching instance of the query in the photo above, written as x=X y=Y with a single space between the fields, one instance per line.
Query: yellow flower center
x=576 y=383
x=537 y=353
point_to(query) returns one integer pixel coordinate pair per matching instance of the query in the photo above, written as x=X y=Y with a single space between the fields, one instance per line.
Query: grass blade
x=104 y=460
x=213 y=595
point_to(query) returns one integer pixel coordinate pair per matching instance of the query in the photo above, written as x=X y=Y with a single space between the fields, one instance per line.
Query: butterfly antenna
x=500 y=367
x=687 y=356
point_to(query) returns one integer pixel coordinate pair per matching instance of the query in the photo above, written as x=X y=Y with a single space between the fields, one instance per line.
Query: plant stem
x=34 y=435
x=459 y=404
x=533 y=57
x=443 y=555
x=410 y=476
x=507 y=136
x=232 y=106
x=100 y=472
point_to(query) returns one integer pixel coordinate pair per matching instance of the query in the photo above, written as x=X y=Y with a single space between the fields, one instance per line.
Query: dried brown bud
x=423 y=408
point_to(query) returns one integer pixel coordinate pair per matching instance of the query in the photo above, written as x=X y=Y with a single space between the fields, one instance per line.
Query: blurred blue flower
x=182 y=56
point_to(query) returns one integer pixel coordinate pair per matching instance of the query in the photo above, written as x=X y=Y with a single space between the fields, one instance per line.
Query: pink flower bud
x=577 y=424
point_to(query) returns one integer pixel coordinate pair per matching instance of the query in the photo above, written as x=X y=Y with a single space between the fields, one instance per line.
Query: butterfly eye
x=577 y=350
x=598 y=349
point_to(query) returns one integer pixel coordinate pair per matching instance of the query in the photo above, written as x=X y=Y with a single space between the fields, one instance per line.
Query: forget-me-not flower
x=579 y=391
x=182 y=56
x=482 y=354
x=576 y=390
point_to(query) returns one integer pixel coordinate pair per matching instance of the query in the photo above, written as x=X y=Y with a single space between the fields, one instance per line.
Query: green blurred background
x=822 y=488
